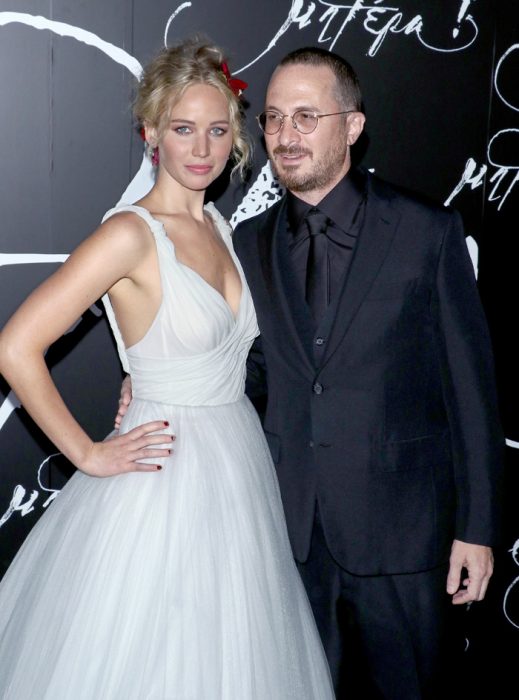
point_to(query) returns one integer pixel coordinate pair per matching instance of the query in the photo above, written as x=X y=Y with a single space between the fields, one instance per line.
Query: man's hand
x=124 y=400
x=478 y=561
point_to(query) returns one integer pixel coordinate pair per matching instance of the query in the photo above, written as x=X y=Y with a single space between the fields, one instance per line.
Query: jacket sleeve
x=470 y=393
x=256 y=382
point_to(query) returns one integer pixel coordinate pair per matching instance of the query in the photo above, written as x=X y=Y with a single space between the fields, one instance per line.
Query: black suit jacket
x=395 y=429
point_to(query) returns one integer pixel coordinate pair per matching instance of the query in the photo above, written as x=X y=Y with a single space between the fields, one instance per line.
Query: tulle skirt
x=174 y=585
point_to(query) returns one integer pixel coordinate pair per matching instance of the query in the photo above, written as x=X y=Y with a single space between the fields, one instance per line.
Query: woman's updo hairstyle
x=164 y=81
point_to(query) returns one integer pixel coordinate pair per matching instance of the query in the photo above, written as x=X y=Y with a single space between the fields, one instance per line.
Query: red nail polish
x=159 y=467
x=166 y=423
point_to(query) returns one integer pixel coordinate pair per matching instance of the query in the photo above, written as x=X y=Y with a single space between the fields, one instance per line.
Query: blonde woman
x=163 y=569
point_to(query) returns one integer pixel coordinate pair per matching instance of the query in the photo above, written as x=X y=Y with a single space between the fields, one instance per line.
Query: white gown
x=178 y=584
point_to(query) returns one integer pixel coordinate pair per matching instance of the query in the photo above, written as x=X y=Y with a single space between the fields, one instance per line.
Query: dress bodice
x=195 y=350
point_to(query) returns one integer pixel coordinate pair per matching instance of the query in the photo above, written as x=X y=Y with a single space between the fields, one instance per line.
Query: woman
x=163 y=569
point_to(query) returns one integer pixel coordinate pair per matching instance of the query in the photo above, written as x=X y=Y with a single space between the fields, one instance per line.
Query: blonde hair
x=166 y=78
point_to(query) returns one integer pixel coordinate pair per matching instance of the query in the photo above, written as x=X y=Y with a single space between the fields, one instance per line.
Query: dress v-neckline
x=197 y=274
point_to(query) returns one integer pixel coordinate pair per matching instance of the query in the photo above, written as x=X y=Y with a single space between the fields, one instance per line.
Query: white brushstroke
x=17 y=504
x=37 y=22
x=9 y=404
x=473 y=252
x=463 y=9
x=31 y=258
x=376 y=19
x=514 y=47
x=515 y=556
x=264 y=192
x=179 y=9
x=141 y=184
x=53 y=492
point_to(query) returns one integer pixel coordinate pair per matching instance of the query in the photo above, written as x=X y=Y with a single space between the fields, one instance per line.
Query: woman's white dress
x=178 y=584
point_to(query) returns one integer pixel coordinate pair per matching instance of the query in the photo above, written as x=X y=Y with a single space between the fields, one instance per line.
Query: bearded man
x=381 y=416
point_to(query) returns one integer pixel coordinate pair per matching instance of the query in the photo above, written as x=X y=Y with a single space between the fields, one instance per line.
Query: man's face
x=310 y=163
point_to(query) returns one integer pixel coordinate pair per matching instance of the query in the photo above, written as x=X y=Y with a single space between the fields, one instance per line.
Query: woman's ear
x=150 y=134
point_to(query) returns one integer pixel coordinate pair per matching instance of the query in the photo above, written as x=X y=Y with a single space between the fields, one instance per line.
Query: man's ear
x=356 y=121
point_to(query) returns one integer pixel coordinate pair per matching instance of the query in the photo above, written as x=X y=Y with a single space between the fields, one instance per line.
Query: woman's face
x=197 y=141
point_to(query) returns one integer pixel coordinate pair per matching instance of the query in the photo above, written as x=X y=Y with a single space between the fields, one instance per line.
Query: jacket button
x=317 y=388
x=319 y=341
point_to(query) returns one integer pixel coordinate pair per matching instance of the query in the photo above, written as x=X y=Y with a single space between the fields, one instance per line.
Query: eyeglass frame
x=294 y=123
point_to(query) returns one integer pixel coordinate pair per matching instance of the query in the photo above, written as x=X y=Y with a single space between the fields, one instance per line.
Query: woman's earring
x=153 y=154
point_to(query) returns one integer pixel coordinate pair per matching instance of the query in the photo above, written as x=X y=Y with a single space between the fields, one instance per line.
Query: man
x=381 y=413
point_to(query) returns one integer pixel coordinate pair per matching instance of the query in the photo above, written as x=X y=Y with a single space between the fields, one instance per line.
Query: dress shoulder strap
x=224 y=227
x=154 y=225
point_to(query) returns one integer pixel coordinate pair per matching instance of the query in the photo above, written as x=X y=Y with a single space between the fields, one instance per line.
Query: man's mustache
x=291 y=151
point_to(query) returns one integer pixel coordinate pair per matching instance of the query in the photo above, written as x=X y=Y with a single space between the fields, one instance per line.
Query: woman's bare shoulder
x=126 y=228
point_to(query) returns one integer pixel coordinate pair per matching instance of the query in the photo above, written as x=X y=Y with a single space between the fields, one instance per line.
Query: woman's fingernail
x=159 y=467
x=173 y=437
x=166 y=423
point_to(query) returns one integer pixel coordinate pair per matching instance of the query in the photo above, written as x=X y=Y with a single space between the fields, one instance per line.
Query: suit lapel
x=293 y=321
x=378 y=230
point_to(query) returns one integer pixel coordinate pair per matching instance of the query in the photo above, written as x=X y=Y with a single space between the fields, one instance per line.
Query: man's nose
x=288 y=133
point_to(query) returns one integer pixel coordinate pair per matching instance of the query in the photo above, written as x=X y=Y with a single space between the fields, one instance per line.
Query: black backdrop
x=440 y=82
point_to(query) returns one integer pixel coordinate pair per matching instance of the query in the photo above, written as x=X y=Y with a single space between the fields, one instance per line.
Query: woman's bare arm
x=109 y=257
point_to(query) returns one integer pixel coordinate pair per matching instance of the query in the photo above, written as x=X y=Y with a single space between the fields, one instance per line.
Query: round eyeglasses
x=302 y=120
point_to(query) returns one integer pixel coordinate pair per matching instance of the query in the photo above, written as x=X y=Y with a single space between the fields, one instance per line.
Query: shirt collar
x=339 y=205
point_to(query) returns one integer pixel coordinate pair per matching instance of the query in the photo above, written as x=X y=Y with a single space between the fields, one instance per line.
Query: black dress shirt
x=343 y=207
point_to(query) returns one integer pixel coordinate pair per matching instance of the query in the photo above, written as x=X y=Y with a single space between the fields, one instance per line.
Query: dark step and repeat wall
x=441 y=90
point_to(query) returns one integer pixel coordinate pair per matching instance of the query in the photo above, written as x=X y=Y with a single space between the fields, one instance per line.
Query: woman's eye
x=218 y=131
x=182 y=130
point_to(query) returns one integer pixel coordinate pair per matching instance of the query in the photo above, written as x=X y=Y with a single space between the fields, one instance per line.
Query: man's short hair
x=347 y=88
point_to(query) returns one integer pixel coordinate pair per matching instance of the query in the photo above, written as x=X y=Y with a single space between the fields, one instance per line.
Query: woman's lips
x=199 y=169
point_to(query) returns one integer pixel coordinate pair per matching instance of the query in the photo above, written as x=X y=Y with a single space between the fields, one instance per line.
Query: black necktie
x=317 y=266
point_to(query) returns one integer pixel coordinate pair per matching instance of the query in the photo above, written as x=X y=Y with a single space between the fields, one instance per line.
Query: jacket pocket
x=426 y=451
x=384 y=291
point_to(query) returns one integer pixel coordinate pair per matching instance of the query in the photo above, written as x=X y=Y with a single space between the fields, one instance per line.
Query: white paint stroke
x=262 y=194
x=514 y=47
x=29 y=258
x=377 y=19
x=474 y=253
x=292 y=18
x=515 y=552
x=498 y=134
x=462 y=11
x=141 y=184
x=512 y=443
x=53 y=492
x=179 y=9
x=144 y=179
x=17 y=505
x=9 y=404
x=38 y=22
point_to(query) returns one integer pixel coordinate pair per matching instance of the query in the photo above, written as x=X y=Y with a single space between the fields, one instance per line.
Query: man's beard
x=322 y=173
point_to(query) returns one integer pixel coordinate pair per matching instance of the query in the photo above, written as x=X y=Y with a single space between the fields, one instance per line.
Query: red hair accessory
x=235 y=84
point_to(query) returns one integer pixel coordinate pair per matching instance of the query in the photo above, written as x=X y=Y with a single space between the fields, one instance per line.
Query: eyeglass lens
x=304 y=121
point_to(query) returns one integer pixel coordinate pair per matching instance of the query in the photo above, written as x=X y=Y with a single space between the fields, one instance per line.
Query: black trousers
x=384 y=636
